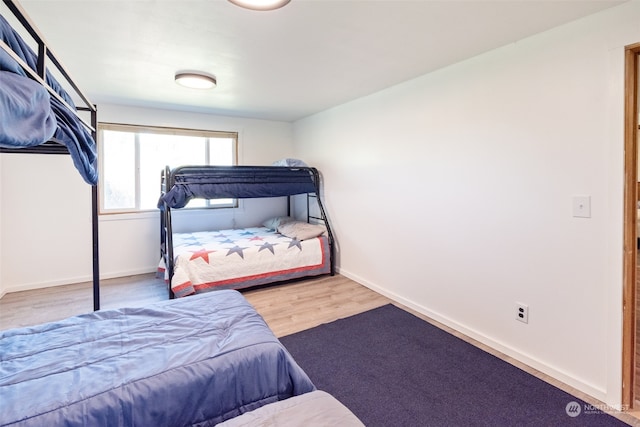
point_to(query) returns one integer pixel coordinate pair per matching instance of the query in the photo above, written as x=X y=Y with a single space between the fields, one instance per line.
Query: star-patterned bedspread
x=240 y=258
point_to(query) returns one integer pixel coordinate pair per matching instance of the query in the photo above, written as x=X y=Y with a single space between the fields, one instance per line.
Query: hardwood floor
x=27 y=308
x=297 y=306
x=287 y=308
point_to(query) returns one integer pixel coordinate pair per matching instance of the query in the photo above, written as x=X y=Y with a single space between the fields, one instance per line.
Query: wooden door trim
x=630 y=236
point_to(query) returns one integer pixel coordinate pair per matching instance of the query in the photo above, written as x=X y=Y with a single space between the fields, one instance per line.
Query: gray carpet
x=394 y=369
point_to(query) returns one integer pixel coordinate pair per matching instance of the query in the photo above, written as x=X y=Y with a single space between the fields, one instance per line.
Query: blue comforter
x=192 y=361
x=26 y=117
x=30 y=117
x=242 y=182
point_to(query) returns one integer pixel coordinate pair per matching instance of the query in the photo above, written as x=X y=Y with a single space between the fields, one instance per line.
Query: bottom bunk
x=192 y=361
x=241 y=258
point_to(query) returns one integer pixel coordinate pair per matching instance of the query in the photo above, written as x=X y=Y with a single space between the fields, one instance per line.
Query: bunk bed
x=193 y=361
x=37 y=114
x=281 y=249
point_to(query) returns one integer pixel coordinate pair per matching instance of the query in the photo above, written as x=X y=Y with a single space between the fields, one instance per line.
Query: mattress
x=191 y=361
x=239 y=258
x=317 y=409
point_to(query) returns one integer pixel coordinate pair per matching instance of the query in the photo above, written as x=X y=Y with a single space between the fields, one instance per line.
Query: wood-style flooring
x=27 y=308
x=287 y=308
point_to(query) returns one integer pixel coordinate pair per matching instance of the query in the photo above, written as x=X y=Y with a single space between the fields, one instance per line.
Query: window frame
x=144 y=129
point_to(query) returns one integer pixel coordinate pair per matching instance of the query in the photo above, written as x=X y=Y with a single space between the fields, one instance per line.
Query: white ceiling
x=286 y=64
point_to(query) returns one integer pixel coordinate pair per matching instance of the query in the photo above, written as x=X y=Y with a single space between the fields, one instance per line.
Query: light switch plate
x=582 y=206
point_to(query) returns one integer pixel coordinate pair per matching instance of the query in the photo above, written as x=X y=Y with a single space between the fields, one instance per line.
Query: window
x=132 y=158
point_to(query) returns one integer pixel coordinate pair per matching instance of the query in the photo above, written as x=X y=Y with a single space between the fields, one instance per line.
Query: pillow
x=274 y=223
x=300 y=230
x=289 y=162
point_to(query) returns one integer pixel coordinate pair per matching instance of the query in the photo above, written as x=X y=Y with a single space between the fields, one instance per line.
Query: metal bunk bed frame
x=170 y=176
x=52 y=147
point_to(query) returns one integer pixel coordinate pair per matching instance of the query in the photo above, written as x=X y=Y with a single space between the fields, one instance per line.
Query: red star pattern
x=202 y=253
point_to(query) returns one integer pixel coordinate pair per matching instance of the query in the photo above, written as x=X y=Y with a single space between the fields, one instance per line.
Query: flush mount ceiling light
x=196 y=79
x=260 y=4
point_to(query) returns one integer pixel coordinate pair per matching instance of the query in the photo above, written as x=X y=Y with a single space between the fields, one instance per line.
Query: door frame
x=632 y=52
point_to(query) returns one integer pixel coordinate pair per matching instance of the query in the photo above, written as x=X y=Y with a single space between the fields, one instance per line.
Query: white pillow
x=300 y=230
x=290 y=163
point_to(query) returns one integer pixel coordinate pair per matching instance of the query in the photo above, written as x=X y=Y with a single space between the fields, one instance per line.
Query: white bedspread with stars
x=241 y=258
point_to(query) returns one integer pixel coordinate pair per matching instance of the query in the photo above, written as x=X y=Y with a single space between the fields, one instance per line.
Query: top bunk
x=37 y=111
x=42 y=110
x=184 y=183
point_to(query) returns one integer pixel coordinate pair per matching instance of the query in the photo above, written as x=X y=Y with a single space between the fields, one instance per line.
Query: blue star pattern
x=295 y=242
x=243 y=242
x=269 y=246
x=236 y=250
x=206 y=259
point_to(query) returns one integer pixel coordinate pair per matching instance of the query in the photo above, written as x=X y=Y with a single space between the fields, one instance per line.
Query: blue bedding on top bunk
x=26 y=119
x=191 y=361
x=29 y=123
x=242 y=182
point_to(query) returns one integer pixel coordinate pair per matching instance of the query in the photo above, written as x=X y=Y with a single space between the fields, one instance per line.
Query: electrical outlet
x=522 y=312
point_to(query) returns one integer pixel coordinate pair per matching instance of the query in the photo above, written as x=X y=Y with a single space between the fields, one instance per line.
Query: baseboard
x=125 y=273
x=48 y=284
x=77 y=279
x=503 y=348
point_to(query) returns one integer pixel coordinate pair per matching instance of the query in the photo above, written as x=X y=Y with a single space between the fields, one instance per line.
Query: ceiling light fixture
x=260 y=4
x=196 y=79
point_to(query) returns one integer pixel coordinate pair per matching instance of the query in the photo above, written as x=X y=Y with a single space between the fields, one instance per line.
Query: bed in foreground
x=192 y=361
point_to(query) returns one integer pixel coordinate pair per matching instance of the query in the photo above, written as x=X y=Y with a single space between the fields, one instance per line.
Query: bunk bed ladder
x=166 y=229
x=94 y=219
x=322 y=217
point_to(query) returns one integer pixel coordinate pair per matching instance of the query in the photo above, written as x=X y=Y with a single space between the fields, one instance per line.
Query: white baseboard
x=77 y=279
x=528 y=360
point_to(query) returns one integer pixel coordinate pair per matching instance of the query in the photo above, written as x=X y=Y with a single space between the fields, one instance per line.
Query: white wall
x=46 y=221
x=46 y=234
x=452 y=193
